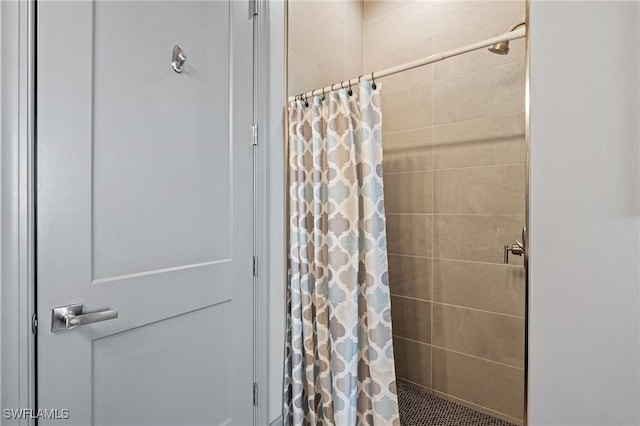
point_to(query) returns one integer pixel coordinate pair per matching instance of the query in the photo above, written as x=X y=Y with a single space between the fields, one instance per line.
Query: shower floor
x=419 y=408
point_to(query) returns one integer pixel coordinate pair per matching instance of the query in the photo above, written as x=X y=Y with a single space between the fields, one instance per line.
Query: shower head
x=502 y=47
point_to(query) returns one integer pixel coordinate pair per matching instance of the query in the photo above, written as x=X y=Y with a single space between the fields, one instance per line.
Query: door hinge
x=253 y=8
x=34 y=324
x=254 y=134
x=255 y=394
x=255 y=266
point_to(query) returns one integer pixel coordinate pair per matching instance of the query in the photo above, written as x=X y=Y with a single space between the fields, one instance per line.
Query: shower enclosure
x=455 y=156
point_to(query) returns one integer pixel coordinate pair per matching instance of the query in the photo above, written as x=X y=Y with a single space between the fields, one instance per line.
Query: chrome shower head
x=502 y=47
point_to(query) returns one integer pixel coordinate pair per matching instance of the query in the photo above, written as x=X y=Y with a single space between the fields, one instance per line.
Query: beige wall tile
x=376 y=8
x=479 y=238
x=336 y=55
x=408 y=192
x=353 y=62
x=330 y=13
x=409 y=234
x=326 y=52
x=406 y=79
x=303 y=74
x=408 y=109
x=401 y=27
x=486 y=141
x=354 y=26
x=451 y=15
x=479 y=59
x=410 y=276
x=486 y=93
x=486 y=335
x=376 y=61
x=476 y=61
x=413 y=361
x=495 y=386
x=358 y=6
x=411 y=318
x=407 y=150
x=480 y=190
x=354 y=51
x=490 y=287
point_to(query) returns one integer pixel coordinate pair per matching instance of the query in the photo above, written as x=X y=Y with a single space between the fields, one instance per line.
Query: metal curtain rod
x=511 y=35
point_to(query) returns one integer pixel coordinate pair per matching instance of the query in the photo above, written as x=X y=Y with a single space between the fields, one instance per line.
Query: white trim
x=272 y=247
x=17 y=266
x=270 y=97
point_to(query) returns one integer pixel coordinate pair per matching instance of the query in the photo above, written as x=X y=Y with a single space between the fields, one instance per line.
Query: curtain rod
x=511 y=35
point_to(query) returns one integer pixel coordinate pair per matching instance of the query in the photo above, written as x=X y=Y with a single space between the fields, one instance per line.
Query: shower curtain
x=339 y=367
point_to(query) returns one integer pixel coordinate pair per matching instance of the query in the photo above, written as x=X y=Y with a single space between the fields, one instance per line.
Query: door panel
x=186 y=395
x=183 y=127
x=144 y=205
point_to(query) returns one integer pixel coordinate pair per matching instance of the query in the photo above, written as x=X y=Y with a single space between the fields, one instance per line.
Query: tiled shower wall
x=325 y=43
x=454 y=163
x=454 y=170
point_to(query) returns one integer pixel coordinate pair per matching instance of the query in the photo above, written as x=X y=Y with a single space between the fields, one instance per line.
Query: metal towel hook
x=178 y=58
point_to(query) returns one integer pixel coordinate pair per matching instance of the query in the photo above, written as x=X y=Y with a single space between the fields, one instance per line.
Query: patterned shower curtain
x=339 y=366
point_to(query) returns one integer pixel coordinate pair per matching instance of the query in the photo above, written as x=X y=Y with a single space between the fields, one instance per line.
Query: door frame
x=17 y=228
x=18 y=369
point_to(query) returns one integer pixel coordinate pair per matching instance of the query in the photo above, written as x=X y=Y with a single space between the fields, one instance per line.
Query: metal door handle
x=71 y=316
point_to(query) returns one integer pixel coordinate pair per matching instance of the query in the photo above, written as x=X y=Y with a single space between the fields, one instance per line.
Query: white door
x=144 y=205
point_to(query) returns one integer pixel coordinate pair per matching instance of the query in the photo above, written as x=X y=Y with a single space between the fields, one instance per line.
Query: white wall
x=585 y=214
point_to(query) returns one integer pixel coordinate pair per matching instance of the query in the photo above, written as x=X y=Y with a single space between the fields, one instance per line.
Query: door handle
x=71 y=316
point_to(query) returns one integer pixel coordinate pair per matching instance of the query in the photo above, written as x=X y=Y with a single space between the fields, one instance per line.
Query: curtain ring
x=323 y=98
x=342 y=84
x=350 y=92
x=374 y=82
x=306 y=100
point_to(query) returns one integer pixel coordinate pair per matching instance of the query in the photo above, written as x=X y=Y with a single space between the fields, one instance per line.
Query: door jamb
x=17 y=202
x=269 y=212
x=17 y=199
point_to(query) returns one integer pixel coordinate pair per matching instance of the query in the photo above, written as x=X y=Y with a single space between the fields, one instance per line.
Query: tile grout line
x=455 y=306
x=432 y=346
x=434 y=170
x=455 y=260
x=456 y=122
x=433 y=82
x=432 y=229
x=506 y=64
